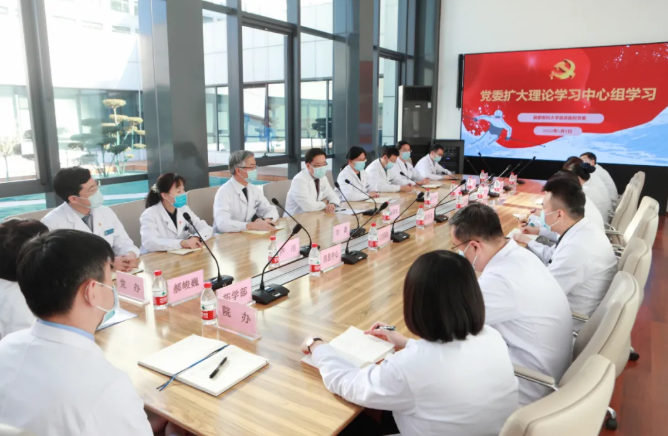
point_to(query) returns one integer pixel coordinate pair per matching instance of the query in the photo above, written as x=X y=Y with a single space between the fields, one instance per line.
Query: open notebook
x=432 y=185
x=133 y=272
x=240 y=364
x=264 y=232
x=357 y=348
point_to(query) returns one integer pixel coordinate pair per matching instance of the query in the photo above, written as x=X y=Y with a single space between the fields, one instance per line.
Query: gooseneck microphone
x=304 y=250
x=402 y=236
x=359 y=231
x=352 y=257
x=508 y=187
x=494 y=194
x=443 y=217
x=485 y=162
x=221 y=280
x=475 y=172
x=421 y=199
x=521 y=182
x=375 y=205
x=265 y=295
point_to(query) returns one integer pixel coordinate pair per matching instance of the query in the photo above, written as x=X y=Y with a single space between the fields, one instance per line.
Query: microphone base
x=360 y=232
x=369 y=212
x=441 y=218
x=352 y=257
x=220 y=282
x=399 y=236
x=521 y=182
x=493 y=195
x=305 y=250
x=420 y=200
x=507 y=188
x=270 y=293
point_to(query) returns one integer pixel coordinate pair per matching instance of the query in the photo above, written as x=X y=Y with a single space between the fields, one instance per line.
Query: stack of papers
x=357 y=348
x=432 y=186
x=381 y=200
x=263 y=232
x=184 y=251
x=119 y=316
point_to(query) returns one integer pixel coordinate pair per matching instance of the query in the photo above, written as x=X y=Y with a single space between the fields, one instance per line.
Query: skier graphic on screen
x=496 y=126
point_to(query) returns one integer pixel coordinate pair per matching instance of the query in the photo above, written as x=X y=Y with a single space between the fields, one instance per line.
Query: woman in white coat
x=457 y=380
x=593 y=187
x=163 y=227
x=355 y=174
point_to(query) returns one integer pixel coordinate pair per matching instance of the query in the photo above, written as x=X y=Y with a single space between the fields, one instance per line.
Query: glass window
x=389 y=25
x=277 y=9
x=316 y=93
x=97 y=96
x=318 y=14
x=215 y=78
x=17 y=154
x=388 y=82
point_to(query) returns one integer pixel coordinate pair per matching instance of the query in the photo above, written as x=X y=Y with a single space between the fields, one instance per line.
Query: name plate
x=185 y=288
x=434 y=198
x=237 y=317
x=330 y=258
x=290 y=251
x=340 y=232
x=131 y=287
x=384 y=236
x=429 y=216
x=239 y=292
x=394 y=212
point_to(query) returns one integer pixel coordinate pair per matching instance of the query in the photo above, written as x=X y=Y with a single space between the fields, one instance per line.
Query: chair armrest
x=609 y=227
x=618 y=248
x=613 y=233
x=535 y=377
x=580 y=316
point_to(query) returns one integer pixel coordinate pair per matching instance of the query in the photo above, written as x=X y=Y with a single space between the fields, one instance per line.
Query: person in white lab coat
x=428 y=167
x=592 y=187
x=83 y=211
x=456 y=380
x=163 y=226
x=310 y=190
x=603 y=174
x=14 y=312
x=240 y=205
x=54 y=379
x=355 y=174
x=379 y=172
x=522 y=299
x=405 y=165
x=582 y=261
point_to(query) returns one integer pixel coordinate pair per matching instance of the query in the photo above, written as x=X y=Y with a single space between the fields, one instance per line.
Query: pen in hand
x=390 y=328
x=220 y=365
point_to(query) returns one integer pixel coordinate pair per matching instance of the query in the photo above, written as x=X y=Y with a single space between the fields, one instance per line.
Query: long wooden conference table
x=286 y=397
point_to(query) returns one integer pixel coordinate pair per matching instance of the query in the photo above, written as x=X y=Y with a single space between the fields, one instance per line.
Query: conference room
x=322 y=217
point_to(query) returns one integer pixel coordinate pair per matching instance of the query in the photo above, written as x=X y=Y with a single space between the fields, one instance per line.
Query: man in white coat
x=582 y=261
x=83 y=211
x=310 y=191
x=240 y=205
x=54 y=379
x=379 y=172
x=603 y=174
x=522 y=299
x=404 y=165
x=428 y=167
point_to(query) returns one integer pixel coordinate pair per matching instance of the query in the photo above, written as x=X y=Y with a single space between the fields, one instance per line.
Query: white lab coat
x=57 y=382
x=14 y=312
x=592 y=214
x=379 y=178
x=583 y=263
x=602 y=174
x=597 y=192
x=463 y=388
x=232 y=211
x=303 y=197
x=426 y=168
x=347 y=191
x=105 y=224
x=526 y=305
x=405 y=167
x=158 y=232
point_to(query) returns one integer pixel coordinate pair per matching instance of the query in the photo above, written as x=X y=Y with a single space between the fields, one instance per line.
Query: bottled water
x=159 y=291
x=386 y=216
x=373 y=238
x=273 y=248
x=459 y=201
x=483 y=176
x=512 y=181
x=420 y=218
x=470 y=184
x=497 y=186
x=314 y=261
x=427 y=198
x=481 y=193
x=208 y=303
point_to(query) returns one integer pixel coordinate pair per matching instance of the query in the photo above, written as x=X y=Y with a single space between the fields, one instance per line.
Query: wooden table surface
x=286 y=397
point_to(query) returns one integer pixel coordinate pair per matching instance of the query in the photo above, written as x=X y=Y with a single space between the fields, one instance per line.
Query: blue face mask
x=95 y=200
x=319 y=173
x=437 y=159
x=461 y=253
x=389 y=166
x=251 y=175
x=180 y=200
x=542 y=220
x=359 y=166
x=109 y=313
x=406 y=155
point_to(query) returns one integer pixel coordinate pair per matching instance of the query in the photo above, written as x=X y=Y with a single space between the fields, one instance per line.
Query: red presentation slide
x=552 y=104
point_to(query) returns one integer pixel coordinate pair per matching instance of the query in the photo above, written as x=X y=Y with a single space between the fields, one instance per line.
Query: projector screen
x=552 y=104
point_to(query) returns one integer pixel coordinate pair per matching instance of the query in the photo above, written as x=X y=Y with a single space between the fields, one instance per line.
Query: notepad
x=380 y=200
x=240 y=364
x=357 y=348
x=133 y=272
x=263 y=232
x=510 y=235
x=184 y=251
x=432 y=186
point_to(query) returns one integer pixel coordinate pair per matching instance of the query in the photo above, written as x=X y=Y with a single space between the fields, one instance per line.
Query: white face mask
x=95 y=200
x=108 y=313
x=463 y=254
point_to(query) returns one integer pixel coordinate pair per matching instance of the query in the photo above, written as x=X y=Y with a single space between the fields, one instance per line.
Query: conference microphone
x=352 y=257
x=508 y=187
x=521 y=182
x=304 y=250
x=475 y=172
x=358 y=231
x=443 y=217
x=221 y=280
x=495 y=194
x=401 y=236
x=375 y=205
x=421 y=199
x=485 y=162
x=265 y=295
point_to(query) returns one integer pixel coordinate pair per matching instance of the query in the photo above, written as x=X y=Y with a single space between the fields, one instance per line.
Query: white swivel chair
x=8 y=430
x=644 y=225
x=330 y=178
x=36 y=215
x=625 y=210
x=200 y=201
x=129 y=214
x=279 y=191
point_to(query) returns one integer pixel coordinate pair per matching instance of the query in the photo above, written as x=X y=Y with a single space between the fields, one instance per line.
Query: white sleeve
x=545 y=233
x=222 y=214
x=500 y=303
x=122 y=242
x=330 y=195
x=14 y=314
x=306 y=202
x=150 y=236
x=542 y=251
x=378 y=181
x=380 y=387
x=396 y=178
x=350 y=193
x=568 y=271
x=202 y=227
x=264 y=209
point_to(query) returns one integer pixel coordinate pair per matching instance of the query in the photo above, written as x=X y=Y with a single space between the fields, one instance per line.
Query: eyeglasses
x=319 y=166
x=459 y=245
x=93 y=189
x=253 y=167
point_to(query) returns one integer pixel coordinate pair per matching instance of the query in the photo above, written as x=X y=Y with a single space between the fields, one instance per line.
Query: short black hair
x=13 y=234
x=591 y=156
x=436 y=147
x=52 y=267
x=354 y=152
x=389 y=151
x=312 y=153
x=401 y=144
x=569 y=195
x=69 y=181
x=567 y=174
x=477 y=221
x=442 y=298
x=162 y=186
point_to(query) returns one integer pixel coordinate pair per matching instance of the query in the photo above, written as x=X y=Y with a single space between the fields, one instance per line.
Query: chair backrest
x=129 y=214
x=649 y=203
x=36 y=215
x=626 y=208
x=8 y=430
x=640 y=180
x=330 y=178
x=636 y=260
x=643 y=225
x=278 y=190
x=578 y=408
x=608 y=330
x=200 y=201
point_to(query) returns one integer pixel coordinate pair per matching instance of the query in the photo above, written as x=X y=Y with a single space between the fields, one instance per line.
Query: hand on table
x=424 y=181
x=394 y=337
x=521 y=238
x=530 y=230
x=374 y=194
x=126 y=263
x=315 y=345
x=192 y=243
x=406 y=188
x=331 y=207
x=263 y=225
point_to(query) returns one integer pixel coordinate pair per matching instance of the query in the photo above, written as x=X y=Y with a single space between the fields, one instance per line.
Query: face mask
x=406 y=155
x=389 y=166
x=461 y=253
x=437 y=159
x=109 y=313
x=359 y=166
x=95 y=200
x=319 y=173
x=251 y=175
x=542 y=220
x=180 y=200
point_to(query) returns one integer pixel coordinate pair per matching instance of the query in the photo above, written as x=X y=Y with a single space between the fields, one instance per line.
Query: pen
x=220 y=365
x=390 y=328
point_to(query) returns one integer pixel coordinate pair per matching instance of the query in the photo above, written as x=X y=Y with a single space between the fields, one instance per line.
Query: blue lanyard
x=163 y=386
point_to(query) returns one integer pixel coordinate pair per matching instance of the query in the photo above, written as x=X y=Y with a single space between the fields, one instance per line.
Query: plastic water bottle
x=459 y=201
x=481 y=193
x=314 y=261
x=427 y=198
x=273 y=248
x=386 y=216
x=497 y=186
x=159 y=291
x=470 y=184
x=420 y=218
x=373 y=238
x=483 y=176
x=512 y=181
x=209 y=305
x=453 y=189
